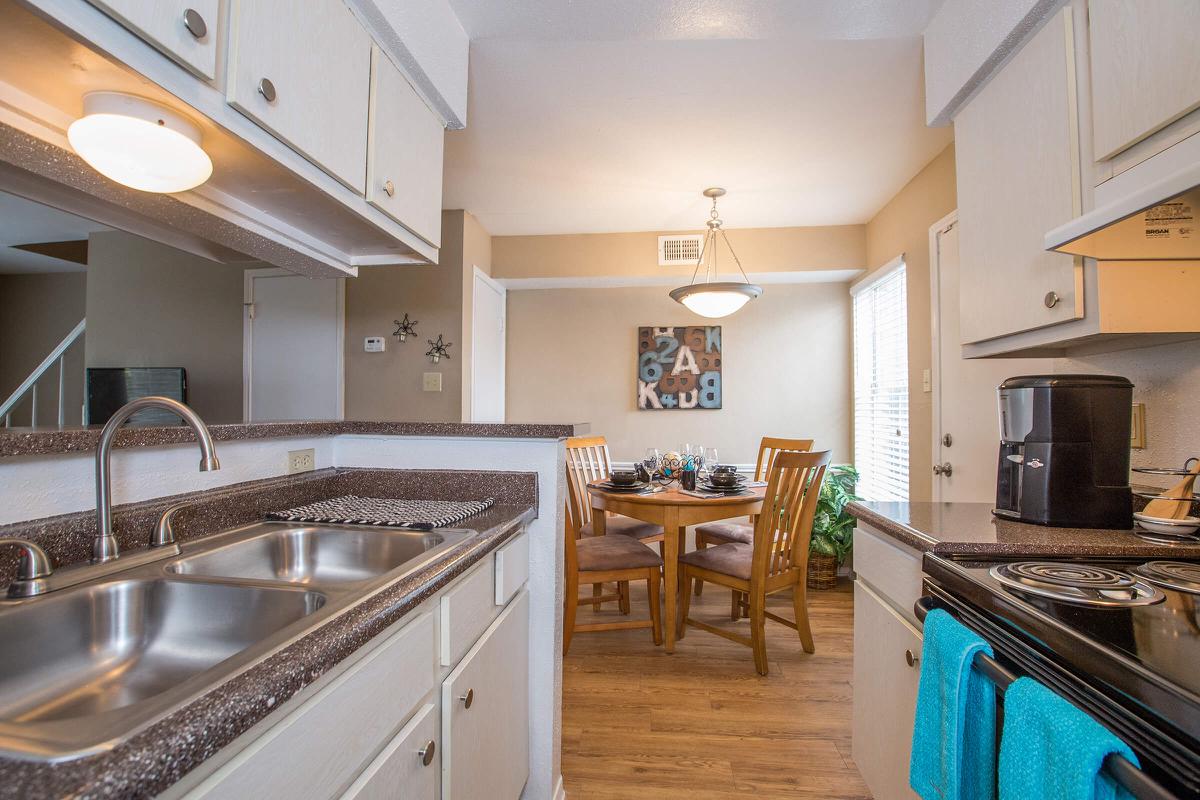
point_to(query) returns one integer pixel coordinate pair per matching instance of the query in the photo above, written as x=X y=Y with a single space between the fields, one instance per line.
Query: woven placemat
x=353 y=510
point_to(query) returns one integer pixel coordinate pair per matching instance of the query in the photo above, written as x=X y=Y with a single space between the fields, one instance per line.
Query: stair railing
x=29 y=385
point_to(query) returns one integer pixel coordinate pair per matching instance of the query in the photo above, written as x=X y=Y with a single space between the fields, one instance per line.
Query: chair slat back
x=770 y=445
x=587 y=461
x=784 y=526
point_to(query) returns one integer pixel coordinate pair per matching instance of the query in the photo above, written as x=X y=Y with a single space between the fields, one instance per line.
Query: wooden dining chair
x=722 y=532
x=604 y=559
x=776 y=559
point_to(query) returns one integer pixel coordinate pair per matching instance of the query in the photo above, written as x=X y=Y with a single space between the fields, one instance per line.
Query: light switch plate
x=1137 y=433
x=432 y=382
x=926 y=381
x=373 y=344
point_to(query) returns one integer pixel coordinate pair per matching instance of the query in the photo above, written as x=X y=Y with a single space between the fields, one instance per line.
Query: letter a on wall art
x=679 y=367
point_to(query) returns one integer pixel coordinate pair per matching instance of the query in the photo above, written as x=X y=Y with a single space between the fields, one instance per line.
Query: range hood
x=1154 y=223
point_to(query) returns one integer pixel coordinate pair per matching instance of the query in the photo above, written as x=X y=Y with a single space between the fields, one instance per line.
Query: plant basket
x=822 y=571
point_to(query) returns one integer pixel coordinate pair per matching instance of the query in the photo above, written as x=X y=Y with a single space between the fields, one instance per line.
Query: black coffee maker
x=1064 y=451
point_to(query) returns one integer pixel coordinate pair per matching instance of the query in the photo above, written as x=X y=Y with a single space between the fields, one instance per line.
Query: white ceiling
x=26 y=222
x=592 y=116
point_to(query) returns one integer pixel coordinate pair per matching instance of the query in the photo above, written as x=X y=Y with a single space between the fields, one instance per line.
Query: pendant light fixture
x=139 y=143
x=715 y=298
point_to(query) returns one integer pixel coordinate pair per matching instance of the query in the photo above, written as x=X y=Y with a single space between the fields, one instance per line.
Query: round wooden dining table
x=674 y=511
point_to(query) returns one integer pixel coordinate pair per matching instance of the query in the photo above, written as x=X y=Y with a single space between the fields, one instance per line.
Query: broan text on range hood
x=1154 y=223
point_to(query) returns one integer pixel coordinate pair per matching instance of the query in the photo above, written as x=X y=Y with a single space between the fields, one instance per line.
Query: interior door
x=965 y=425
x=293 y=347
x=487 y=349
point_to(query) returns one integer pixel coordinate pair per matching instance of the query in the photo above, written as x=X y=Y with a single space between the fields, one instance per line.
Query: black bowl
x=724 y=469
x=623 y=477
x=724 y=479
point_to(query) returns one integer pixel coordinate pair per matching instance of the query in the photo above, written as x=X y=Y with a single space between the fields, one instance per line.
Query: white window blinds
x=881 y=384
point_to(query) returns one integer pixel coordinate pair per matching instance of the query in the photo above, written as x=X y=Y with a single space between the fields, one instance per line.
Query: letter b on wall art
x=679 y=367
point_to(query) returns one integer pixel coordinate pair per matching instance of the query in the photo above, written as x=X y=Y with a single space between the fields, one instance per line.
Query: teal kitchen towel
x=1050 y=750
x=954 y=733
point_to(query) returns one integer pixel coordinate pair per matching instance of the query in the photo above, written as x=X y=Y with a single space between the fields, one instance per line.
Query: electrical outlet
x=1137 y=435
x=432 y=382
x=301 y=460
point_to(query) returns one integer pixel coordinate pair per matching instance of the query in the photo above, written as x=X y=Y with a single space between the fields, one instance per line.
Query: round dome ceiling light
x=710 y=298
x=139 y=143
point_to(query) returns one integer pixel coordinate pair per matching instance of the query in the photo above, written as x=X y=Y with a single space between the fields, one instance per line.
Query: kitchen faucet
x=104 y=548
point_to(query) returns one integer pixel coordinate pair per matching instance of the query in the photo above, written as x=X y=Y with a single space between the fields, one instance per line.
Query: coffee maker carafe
x=1064 y=451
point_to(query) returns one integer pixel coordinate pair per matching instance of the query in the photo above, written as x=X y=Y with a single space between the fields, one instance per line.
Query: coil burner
x=1081 y=584
x=1178 y=575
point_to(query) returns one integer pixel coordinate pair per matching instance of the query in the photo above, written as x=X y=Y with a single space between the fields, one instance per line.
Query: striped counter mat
x=353 y=510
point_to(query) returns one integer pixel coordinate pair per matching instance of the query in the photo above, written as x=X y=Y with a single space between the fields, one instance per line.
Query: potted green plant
x=833 y=528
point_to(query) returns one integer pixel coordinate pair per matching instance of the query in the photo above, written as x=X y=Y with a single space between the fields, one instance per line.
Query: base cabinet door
x=485 y=712
x=885 y=694
x=408 y=767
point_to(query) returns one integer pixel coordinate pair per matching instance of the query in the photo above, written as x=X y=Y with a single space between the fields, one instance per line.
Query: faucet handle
x=32 y=570
x=164 y=534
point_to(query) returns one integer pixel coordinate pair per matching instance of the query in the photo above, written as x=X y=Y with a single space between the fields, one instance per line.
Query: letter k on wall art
x=679 y=367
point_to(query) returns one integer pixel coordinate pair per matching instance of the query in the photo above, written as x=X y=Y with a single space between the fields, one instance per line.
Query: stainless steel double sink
x=85 y=668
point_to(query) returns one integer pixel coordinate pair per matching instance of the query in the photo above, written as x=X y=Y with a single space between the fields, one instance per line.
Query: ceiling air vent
x=679 y=250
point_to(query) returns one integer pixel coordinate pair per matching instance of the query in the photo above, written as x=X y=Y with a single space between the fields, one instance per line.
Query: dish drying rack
x=1186 y=530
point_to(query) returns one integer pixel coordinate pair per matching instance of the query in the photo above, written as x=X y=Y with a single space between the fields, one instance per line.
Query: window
x=881 y=384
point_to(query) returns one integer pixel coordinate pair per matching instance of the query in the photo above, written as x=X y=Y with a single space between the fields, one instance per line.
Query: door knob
x=389 y=188
x=1051 y=299
x=426 y=753
x=947 y=440
x=267 y=90
x=910 y=659
x=195 y=23
x=468 y=698
x=946 y=469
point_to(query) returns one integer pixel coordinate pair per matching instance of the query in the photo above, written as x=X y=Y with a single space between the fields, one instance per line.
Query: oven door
x=1166 y=772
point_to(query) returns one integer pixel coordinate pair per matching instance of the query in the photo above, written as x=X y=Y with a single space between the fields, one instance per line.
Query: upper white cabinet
x=404 y=152
x=1017 y=161
x=1145 y=68
x=186 y=30
x=303 y=72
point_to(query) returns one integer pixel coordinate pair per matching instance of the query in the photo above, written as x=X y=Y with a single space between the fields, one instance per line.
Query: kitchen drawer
x=317 y=751
x=485 y=713
x=891 y=569
x=317 y=60
x=512 y=568
x=404 y=152
x=161 y=23
x=466 y=611
x=400 y=770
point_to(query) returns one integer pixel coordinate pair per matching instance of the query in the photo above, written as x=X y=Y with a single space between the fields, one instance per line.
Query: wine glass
x=710 y=460
x=651 y=460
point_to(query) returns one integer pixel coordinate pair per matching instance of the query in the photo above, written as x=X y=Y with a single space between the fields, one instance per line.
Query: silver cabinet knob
x=195 y=23
x=946 y=469
x=947 y=440
x=468 y=698
x=426 y=753
x=1051 y=299
x=910 y=659
x=389 y=188
x=267 y=90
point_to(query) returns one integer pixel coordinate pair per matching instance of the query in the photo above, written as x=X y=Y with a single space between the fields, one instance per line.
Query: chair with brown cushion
x=723 y=532
x=588 y=461
x=776 y=559
x=602 y=559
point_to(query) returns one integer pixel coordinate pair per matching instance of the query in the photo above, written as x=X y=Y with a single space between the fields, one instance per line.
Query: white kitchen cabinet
x=409 y=767
x=185 y=30
x=1018 y=167
x=485 y=712
x=303 y=72
x=885 y=693
x=404 y=152
x=1145 y=68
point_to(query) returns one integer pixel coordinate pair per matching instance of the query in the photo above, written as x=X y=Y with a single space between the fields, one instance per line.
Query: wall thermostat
x=373 y=344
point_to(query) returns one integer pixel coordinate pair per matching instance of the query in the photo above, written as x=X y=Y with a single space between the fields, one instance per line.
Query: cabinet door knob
x=267 y=90
x=1051 y=299
x=195 y=23
x=468 y=698
x=390 y=188
x=911 y=659
x=946 y=469
x=426 y=753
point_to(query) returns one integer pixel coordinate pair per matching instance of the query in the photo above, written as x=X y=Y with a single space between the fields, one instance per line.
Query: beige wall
x=902 y=226
x=150 y=305
x=572 y=355
x=36 y=312
x=636 y=254
x=388 y=385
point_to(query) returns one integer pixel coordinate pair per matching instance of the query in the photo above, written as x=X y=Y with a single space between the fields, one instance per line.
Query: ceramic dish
x=1184 y=526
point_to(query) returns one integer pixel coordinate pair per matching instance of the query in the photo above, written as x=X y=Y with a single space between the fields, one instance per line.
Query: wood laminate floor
x=701 y=724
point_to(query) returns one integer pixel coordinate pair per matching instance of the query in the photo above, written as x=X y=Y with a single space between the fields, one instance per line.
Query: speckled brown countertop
x=44 y=441
x=971 y=529
x=161 y=754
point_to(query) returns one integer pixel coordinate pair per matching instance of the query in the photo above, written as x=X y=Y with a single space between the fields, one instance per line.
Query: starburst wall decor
x=438 y=350
x=404 y=328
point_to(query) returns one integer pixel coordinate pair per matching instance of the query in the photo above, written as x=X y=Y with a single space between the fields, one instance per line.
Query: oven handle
x=1119 y=768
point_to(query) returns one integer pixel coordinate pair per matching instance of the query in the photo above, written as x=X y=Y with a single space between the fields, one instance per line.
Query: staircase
x=29 y=387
